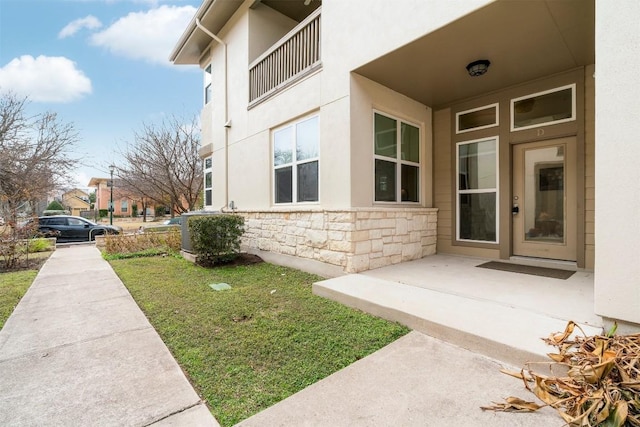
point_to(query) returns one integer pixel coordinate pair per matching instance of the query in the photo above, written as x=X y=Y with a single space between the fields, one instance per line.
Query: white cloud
x=149 y=36
x=45 y=79
x=90 y=22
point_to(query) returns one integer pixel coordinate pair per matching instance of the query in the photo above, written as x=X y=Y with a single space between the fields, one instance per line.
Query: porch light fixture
x=478 y=68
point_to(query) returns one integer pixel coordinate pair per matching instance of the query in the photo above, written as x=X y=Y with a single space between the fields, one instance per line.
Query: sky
x=101 y=65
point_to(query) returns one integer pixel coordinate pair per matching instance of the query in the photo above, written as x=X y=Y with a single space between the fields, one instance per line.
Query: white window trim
x=484 y=107
x=478 y=191
x=544 y=92
x=398 y=160
x=207 y=84
x=204 y=179
x=294 y=163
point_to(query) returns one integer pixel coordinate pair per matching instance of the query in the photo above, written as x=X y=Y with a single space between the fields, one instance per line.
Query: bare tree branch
x=163 y=165
x=35 y=154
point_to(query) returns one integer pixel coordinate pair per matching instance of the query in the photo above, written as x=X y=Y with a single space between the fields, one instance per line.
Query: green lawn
x=247 y=348
x=13 y=286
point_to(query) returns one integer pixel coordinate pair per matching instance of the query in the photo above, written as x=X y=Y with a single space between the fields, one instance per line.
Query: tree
x=162 y=165
x=55 y=206
x=35 y=155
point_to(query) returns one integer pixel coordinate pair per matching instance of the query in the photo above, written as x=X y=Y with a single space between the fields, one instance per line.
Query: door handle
x=515 y=209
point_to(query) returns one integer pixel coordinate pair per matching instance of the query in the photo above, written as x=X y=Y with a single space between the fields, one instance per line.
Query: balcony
x=293 y=57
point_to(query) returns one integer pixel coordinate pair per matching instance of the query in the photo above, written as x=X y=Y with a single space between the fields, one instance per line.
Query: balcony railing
x=291 y=58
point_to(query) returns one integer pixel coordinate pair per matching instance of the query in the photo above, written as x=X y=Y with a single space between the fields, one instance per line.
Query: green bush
x=40 y=245
x=216 y=238
x=103 y=212
x=55 y=206
x=134 y=210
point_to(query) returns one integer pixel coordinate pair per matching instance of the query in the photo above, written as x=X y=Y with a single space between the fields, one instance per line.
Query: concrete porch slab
x=500 y=314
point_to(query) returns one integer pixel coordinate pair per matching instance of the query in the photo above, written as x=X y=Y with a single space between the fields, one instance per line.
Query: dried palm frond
x=600 y=384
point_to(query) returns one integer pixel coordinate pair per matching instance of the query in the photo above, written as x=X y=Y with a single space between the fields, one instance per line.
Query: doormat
x=554 y=273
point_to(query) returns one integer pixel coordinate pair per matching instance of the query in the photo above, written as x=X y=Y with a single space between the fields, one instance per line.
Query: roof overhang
x=213 y=14
x=524 y=40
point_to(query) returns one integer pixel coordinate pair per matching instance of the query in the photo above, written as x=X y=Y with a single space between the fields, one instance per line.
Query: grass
x=247 y=348
x=13 y=286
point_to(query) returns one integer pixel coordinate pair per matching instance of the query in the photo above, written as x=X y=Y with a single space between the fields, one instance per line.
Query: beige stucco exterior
x=406 y=59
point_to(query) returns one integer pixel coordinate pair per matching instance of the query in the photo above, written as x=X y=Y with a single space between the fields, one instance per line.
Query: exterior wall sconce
x=478 y=68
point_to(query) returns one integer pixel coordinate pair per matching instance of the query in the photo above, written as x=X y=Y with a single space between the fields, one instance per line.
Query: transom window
x=477 y=118
x=295 y=161
x=477 y=190
x=208 y=182
x=544 y=108
x=396 y=160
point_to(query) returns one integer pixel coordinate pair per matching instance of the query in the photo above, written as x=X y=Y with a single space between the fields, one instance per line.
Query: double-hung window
x=396 y=159
x=295 y=161
x=477 y=190
x=208 y=182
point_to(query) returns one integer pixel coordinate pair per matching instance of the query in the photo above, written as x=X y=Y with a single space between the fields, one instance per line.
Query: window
x=295 y=161
x=207 y=84
x=124 y=206
x=544 y=108
x=396 y=160
x=208 y=182
x=477 y=190
x=477 y=118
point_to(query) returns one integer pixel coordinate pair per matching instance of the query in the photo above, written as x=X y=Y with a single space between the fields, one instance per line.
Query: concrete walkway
x=77 y=351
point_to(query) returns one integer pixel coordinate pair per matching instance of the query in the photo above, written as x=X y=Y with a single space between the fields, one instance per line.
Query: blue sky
x=100 y=64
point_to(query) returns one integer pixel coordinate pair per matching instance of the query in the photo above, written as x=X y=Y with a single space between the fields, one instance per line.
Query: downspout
x=227 y=124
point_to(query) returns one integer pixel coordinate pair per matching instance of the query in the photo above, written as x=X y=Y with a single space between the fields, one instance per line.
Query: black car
x=67 y=228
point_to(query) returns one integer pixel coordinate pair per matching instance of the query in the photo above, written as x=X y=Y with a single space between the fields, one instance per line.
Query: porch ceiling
x=524 y=40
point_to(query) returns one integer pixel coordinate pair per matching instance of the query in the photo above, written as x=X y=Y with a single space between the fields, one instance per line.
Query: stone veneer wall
x=356 y=239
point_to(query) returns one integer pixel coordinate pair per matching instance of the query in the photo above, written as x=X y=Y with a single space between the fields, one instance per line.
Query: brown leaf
x=513 y=404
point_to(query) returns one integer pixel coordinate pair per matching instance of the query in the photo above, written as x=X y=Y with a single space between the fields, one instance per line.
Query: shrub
x=216 y=238
x=55 y=206
x=134 y=210
x=40 y=245
x=103 y=212
x=169 y=241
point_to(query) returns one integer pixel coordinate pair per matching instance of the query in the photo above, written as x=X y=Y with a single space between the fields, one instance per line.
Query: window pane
x=478 y=217
x=284 y=188
x=207 y=163
x=410 y=179
x=207 y=180
x=385 y=181
x=410 y=146
x=477 y=165
x=308 y=182
x=540 y=109
x=207 y=198
x=282 y=146
x=385 y=136
x=479 y=118
x=307 y=136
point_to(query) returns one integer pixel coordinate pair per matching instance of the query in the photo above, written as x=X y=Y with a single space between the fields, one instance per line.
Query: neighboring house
x=122 y=200
x=75 y=201
x=364 y=133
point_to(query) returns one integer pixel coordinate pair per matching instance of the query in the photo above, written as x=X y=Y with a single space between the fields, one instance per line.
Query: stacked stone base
x=356 y=239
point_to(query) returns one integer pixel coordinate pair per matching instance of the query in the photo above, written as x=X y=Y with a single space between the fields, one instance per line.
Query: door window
x=544 y=194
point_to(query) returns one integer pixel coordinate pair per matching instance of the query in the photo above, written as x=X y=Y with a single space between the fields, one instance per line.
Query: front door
x=544 y=199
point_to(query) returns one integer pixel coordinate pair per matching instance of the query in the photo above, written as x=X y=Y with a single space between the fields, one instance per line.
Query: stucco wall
x=617 y=187
x=367 y=96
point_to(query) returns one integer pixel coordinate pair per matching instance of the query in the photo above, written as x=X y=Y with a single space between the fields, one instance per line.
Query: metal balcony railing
x=291 y=58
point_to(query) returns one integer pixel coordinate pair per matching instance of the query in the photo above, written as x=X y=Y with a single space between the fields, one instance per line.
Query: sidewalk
x=78 y=351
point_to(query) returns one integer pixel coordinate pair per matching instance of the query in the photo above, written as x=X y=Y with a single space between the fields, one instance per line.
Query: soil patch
x=241 y=259
x=34 y=262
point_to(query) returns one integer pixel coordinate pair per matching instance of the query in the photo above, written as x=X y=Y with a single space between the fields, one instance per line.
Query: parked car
x=166 y=225
x=67 y=228
x=173 y=221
